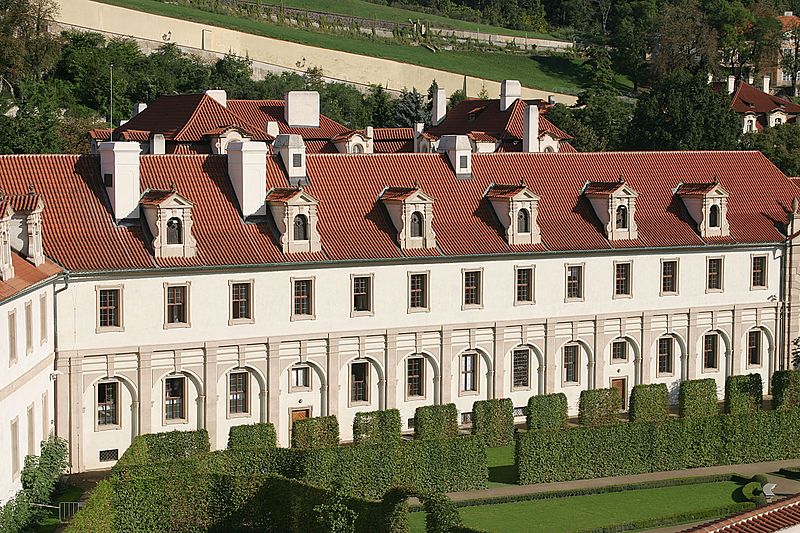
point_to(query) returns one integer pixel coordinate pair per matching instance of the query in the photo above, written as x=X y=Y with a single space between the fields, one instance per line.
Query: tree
x=685 y=40
x=683 y=113
x=632 y=38
x=456 y=98
x=27 y=50
x=790 y=58
x=429 y=97
x=599 y=71
x=34 y=128
x=598 y=124
x=381 y=107
x=780 y=144
x=410 y=108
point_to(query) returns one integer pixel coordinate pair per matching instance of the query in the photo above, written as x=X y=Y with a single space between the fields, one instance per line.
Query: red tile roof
x=25 y=276
x=747 y=98
x=393 y=147
x=393 y=134
x=282 y=194
x=603 y=188
x=777 y=516
x=20 y=202
x=696 y=189
x=397 y=193
x=789 y=22
x=503 y=191
x=155 y=196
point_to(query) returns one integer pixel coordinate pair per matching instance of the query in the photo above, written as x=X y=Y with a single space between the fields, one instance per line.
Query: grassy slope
x=591 y=511
x=549 y=73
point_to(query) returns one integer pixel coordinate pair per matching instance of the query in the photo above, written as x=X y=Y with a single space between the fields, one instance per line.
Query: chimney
x=510 y=92
x=530 y=129
x=158 y=145
x=292 y=151
x=765 y=83
x=119 y=167
x=419 y=127
x=6 y=264
x=459 y=151
x=219 y=95
x=301 y=109
x=370 y=132
x=551 y=99
x=788 y=14
x=439 y=107
x=272 y=128
x=247 y=170
x=731 y=84
x=138 y=108
x=710 y=78
x=750 y=78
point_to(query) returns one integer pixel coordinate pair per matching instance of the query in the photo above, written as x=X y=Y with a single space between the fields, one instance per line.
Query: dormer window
x=295 y=214
x=778 y=121
x=411 y=212
x=713 y=216
x=297 y=160
x=169 y=219
x=622 y=217
x=614 y=203
x=174 y=231
x=517 y=209
x=523 y=221
x=301 y=228
x=707 y=203
x=417 y=224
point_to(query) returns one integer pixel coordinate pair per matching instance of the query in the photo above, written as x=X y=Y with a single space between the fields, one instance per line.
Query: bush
x=786 y=389
x=436 y=422
x=318 y=432
x=599 y=407
x=377 y=427
x=160 y=447
x=649 y=403
x=547 y=412
x=252 y=436
x=97 y=515
x=698 y=398
x=494 y=421
x=752 y=491
x=743 y=394
x=442 y=516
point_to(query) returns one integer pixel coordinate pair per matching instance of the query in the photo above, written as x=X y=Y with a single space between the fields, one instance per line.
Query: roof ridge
x=203 y=100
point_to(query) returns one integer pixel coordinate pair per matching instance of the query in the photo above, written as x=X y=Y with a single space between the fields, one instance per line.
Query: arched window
x=300 y=228
x=523 y=221
x=174 y=231
x=778 y=121
x=358 y=148
x=417 y=224
x=713 y=216
x=622 y=217
x=549 y=150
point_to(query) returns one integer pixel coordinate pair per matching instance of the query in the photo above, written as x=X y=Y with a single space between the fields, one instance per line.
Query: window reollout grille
x=109 y=455
x=520 y=411
x=410 y=423
x=466 y=418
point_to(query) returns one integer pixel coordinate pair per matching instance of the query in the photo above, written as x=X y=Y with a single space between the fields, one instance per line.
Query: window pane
x=574 y=282
x=468 y=362
x=415 y=376
x=710 y=343
x=358 y=382
x=622 y=279
x=754 y=347
x=109 y=308
x=571 y=364
x=715 y=274
x=524 y=285
x=665 y=355
x=173 y=401
x=238 y=392
x=176 y=305
x=520 y=367
x=240 y=301
x=107 y=403
x=418 y=297
x=361 y=294
x=759 y=271
x=472 y=287
x=668 y=276
x=302 y=297
x=619 y=351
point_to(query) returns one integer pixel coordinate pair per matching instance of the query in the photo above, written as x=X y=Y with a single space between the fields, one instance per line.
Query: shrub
x=786 y=389
x=442 y=516
x=159 y=447
x=649 y=403
x=547 y=412
x=698 y=398
x=743 y=394
x=252 y=436
x=752 y=491
x=494 y=421
x=436 y=422
x=97 y=514
x=377 y=427
x=599 y=407
x=318 y=432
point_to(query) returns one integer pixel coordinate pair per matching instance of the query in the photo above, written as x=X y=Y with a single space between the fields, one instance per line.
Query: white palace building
x=148 y=293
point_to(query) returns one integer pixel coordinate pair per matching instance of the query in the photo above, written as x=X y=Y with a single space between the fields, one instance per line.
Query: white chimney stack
x=272 y=128
x=765 y=83
x=247 y=169
x=292 y=151
x=138 y=108
x=750 y=79
x=301 y=109
x=119 y=169
x=530 y=129
x=459 y=150
x=439 y=108
x=219 y=95
x=710 y=78
x=731 y=84
x=510 y=92
x=158 y=145
x=369 y=131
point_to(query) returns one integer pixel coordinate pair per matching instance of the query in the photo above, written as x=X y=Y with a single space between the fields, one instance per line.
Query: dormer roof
x=289 y=195
x=690 y=190
x=511 y=192
x=405 y=194
x=608 y=188
x=164 y=198
x=21 y=202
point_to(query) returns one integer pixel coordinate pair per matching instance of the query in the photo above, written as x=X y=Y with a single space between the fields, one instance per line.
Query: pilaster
x=274 y=384
x=499 y=389
x=646 y=355
x=211 y=399
x=390 y=369
x=75 y=406
x=550 y=357
x=690 y=365
x=334 y=387
x=737 y=355
x=445 y=367
x=145 y=372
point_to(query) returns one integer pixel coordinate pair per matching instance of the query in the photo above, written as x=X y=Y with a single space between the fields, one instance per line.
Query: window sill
x=468 y=393
x=665 y=374
x=356 y=314
x=572 y=300
x=622 y=297
x=620 y=361
x=177 y=325
x=298 y=318
x=758 y=288
x=240 y=321
x=712 y=291
x=526 y=388
x=359 y=403
x=709 y=371
x=757 y=366
x=419 y=310
x=107 y=427
x=415 y=398
x=668 y=293
x=109 y=329
x=299 y=389
x=470 y=307
x=523 y=303
x=570 y=383
x=175 y=421
x=233 y=416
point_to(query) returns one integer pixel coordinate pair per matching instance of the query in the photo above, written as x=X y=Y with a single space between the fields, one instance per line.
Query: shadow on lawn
x=503 y=474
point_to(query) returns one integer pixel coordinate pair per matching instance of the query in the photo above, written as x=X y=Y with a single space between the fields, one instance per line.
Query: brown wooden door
x=619 y=384
x=299 y=414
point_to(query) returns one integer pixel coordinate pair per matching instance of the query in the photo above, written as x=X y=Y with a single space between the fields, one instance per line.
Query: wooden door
x=619 y=384
x=299 y=414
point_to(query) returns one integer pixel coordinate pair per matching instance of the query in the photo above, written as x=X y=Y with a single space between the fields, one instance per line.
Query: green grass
x=592 y=511
x=501 y=466
x=70 y=494
x=549 y=73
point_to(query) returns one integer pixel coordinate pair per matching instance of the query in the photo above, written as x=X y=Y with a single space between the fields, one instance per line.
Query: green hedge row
x=697 y=398
x=159 y=447
x=786 y=389
x=598 y=407
x=252 y=436
x=743 y=394
x=317 y=432
x=377 y=427
x=494 y=421
x=677 y=443
x=649 y=403
x=547 y=412
x=436 y=422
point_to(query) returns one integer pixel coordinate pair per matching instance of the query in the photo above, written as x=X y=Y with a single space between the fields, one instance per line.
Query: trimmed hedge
x=547 y=412
x=649 y=403
x=317 y=432
x=97 y=515
x=698 y=398
x=252 y=436
x=436 y=422
x=786 y=389
x=599 y=407
x=635 y=448
x=377 y=427
x=743 y=394
x=494 y=421
x=159 y=447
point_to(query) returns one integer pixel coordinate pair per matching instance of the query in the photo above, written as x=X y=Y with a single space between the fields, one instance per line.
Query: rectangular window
x=359 y=386
x=714 y=274
x=109 y=308
x=301 y=377
x=174 y=399
x=759 y=274
x=622 y=279
x=238 y=393
x=176 y=305
x=571 y=363
x=468 y=371
x=362 y=294
x=12 y=338
x=297 y=160
x=574 y=282
x=472 y=288
x=28 y=327
x=524 y=285
x=710 y=346
x=31 y=431
x=665 y=346
x=520 y=366
x=669 y=277
x=754 y=347
x=619 y=351
x=43 y=318
x=415 y=376
x=418 y=291
x=241 y=301
x=463 y=161
x=15 y=462
x=107 y=413
x=303 y=295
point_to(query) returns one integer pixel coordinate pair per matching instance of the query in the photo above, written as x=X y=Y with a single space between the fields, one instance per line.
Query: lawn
x=593 y=511
x=70 y=494
x=549 y=73
x=501 y=466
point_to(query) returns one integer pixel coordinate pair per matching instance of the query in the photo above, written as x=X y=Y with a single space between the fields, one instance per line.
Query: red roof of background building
x=789 y=22
x=26 y=275
x=80 y=233
x=747 y=98
x=777 y=516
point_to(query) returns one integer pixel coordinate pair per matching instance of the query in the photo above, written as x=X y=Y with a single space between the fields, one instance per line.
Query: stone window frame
x=465 y=306
x=581 y=283
x=423 y=375
x=710 y=369
x=577 y=382
x=297 y=388
x=312 y=299
x=661 y=291
x=248 y=403
x=13 y=338
x=529 y=353
x=626 y=359
x=370 y=294
x=629 y=294
x=28 y=327
x=766 y=272
x=185 y=400
x=367 y=383
x=251 y=303
x=760 y=363
x=476 y=374
x=721 y=274
x=427 y=307
x=107 y=427
x=43 y=319
x=120 y=307
x=659 y=373
x=187 y=305
x=532 y=268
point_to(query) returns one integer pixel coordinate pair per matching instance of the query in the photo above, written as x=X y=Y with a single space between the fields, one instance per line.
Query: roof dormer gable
x=707 y=204
x=23 y=215
x=6 y=263
x=295 y=214
x=614 y=203
x=411 y=212
x=517 y=208
x=219 y=138
x=169 y=218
